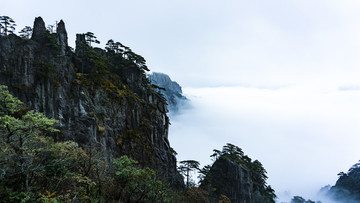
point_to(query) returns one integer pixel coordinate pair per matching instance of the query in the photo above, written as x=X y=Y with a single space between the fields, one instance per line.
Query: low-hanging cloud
x=349 y=88
x=304 y=135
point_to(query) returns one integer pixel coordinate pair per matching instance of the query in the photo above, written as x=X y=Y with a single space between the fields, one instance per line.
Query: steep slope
x=236 y=176
x=101 y=97
x=230 y=179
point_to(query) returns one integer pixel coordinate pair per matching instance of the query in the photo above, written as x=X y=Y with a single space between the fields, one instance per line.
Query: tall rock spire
x=61 y=36
x=80 y=43
x=39 y=29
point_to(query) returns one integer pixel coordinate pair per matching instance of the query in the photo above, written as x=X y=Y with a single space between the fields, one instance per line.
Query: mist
x=280 y=79
x=303 y=134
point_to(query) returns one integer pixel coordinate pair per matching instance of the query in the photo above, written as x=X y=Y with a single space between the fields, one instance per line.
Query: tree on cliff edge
x=186 y=167
x=90 y=37
x=26 y=32
x=7 y=25
x=235 y=175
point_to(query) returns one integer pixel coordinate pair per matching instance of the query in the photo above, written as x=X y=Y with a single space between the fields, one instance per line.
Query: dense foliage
x=35 y=168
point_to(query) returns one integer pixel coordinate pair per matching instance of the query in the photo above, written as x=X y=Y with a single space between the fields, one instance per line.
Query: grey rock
x=61 y=36
x=80 y=42
x=38 y=29
x=49 y=82
x=171 y=90
x=231 y=179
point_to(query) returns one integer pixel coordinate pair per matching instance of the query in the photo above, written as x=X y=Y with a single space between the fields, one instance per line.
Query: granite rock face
x=229 y=178
x=38 y=29
x=171 y=90
x=126 y=118
x=61 y=36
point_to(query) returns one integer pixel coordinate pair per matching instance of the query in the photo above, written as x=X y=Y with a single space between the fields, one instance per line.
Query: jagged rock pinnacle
x=39 y=28
x=79 y=43
x=62 y=38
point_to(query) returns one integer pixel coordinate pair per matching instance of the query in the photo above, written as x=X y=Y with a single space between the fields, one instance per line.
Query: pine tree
x=7 y=25
x=26 y=32
x=186 y=167
x=90 y=37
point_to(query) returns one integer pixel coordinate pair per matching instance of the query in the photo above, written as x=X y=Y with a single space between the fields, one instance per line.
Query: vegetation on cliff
x=35 y=168
x=102 y=98
x=236 y=176
x=107 y=116
x=107 y=138
x=233 y=177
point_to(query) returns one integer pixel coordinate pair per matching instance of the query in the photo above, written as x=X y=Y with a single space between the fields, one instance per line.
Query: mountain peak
x=38 y=29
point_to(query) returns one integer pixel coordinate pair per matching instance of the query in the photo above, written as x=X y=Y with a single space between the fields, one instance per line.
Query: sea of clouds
x=303 y=134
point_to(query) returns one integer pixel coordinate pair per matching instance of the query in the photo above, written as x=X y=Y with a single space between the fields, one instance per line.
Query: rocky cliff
x=236 y=176
x=102 y=98
x=170 y=89
x=231 y=179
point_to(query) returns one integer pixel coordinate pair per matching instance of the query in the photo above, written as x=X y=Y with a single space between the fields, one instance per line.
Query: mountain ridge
x=109 y=106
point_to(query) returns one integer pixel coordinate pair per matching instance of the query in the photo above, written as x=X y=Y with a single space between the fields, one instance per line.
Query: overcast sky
x=278 y=78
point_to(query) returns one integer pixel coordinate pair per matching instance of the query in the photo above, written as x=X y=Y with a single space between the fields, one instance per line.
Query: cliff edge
x=102 y=98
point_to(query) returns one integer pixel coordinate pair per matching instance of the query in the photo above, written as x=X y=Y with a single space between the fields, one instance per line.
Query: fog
x=303 y=134
x=280 y=79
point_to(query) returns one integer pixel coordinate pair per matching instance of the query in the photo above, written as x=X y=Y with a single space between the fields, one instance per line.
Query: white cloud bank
x=304 y=135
